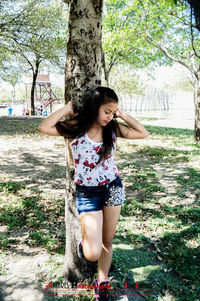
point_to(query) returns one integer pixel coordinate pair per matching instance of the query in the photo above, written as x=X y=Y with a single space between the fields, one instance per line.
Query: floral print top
x=86 y=153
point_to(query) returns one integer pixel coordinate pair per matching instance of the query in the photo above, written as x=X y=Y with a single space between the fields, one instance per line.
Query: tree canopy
x=34 y=32
x=140 y=32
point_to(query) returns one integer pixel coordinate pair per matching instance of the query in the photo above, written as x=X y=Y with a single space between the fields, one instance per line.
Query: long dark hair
x=88 y=114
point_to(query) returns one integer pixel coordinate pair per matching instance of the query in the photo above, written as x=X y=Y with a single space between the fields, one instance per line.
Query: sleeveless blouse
x=86 y=154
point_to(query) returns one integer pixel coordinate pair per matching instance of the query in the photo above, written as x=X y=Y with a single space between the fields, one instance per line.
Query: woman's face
x=106 y=113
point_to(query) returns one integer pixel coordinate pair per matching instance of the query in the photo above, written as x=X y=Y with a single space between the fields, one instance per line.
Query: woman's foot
x=101 y=290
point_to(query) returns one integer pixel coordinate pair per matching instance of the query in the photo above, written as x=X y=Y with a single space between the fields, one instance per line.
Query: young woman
x=99 y=190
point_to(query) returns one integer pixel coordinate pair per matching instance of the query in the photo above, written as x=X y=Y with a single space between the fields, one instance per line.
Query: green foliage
x=10 y=187
x=147 y=33
x=125 y=81
x=34 y=32
x=122 y=43
x=124 y=34
x=21 y=210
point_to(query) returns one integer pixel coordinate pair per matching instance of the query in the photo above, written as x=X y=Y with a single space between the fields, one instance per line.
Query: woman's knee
x=92 y=252
x=107 y=244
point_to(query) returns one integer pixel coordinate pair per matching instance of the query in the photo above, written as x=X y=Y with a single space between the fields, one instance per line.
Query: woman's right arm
x=48 y=126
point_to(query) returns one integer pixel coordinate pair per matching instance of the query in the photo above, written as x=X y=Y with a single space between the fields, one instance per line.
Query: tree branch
x=165 y=51
x=23 y=55
x=21 y=16
x=191 y=80
x=15 y=40
x=192 y=35
x=111 y=64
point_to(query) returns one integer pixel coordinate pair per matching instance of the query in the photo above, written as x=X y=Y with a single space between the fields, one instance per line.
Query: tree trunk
x=35 y=74
x=106 y=75
x=83 y=64
x=83 y=71
x=197 y=110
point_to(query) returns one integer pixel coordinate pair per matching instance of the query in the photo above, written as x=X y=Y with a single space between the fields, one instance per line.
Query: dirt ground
x=35 y=162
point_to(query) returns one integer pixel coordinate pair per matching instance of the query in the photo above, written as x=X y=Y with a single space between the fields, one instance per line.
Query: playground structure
x=44 y=95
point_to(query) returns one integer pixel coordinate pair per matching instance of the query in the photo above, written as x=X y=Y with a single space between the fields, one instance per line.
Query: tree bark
x=35 y=74
x=197 y=110
x=83 y=64
x=83 y=71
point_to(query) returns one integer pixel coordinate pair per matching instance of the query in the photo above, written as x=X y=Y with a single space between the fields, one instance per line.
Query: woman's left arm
x=134 y=130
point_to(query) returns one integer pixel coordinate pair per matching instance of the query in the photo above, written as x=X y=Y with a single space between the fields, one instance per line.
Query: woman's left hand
x=119 y=113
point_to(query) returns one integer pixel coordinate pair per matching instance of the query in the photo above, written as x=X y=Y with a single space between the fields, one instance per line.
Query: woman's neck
x=95 y=132
x=96 y=127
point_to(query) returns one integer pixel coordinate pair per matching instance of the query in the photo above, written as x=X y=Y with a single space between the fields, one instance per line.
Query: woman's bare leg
x=110 y=219
x=91 y=229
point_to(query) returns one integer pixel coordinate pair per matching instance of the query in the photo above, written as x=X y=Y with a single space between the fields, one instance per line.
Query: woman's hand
x=69 y=109
x=48 y=125
x=119 y=113
x=133 y=130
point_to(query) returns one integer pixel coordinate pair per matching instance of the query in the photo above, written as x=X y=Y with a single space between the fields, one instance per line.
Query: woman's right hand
x=48 y=125
x=70 y=110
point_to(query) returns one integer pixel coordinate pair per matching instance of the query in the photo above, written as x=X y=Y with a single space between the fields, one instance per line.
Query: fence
x=152 y=100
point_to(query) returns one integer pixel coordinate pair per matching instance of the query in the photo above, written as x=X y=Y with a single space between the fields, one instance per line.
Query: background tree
x=120 y=45
x=11 y=23
x=12 y=75
x=41 y=38
x=126 y=80
x=195 y=7
x=168 y=33
x=178 y=39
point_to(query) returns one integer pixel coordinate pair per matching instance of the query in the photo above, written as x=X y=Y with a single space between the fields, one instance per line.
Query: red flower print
x=103 y=182
x=79 y=182
x=90 y=165
x=75 y=143
x=98 y=150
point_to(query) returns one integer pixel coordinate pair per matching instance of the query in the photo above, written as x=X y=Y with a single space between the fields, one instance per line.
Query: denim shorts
x=93 y=198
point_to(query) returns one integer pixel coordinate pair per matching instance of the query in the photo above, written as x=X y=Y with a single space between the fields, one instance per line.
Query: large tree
x=83 y=71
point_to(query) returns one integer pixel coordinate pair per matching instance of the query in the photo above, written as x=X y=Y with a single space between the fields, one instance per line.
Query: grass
x=27 y=209
x=157 y=242
x=162 y=212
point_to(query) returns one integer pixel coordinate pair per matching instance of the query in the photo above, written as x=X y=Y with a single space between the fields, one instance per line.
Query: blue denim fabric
x=93 y=198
